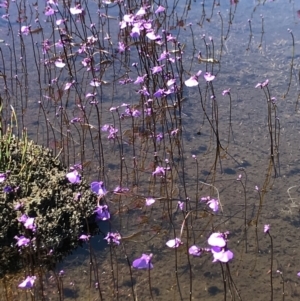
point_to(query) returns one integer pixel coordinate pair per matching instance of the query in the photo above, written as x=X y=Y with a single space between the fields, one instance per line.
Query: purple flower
x=28 y=282
x=84 y=237
x=151 y=36
x=159 y=93
x=226 y=92
x=140 y=79
x=209 y=77
x=95 y=82
x=49 y=11
x=144 y=262
x=298 y=274
x=75 y=119
x=160 y=9
x=150 y=201
x=22 y=241
x=119 y=190
x=171 y=82
x=113 y=238
x=98 y=188
x=76 y=10
x=159 y=137
x=73 y=177
x=29 y=224
x=164 y=55
x=25 y=30
x=213 y=204
x=69 y=85
x=266 y=228
x=112 y=133
x=193 y=80
x=220 y=254
x=157 y=69
x=160 y=171
x=7 y=189
x=195 y=251
x=102 y=213
x=61 y=273
x=262 y=85
x=217 y=240
x=144 y=91
x=3 y=177
x=174 y=132
x=174 y=243
x=121 y=47
x=180 y=205
x=22 y=219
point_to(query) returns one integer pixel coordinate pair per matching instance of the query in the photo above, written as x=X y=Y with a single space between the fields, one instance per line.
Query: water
x=246 y=57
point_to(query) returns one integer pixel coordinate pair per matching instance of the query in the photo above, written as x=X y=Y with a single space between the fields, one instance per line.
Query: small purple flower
x=174 y=243
x=121 y=47
x=25 y=30
x=144 y=262
x=144 y=91
x=61 y=273
x=102 y=213
x=159 y=137
x=180 y=205
x=98 y=188
x=265 y=83
x=160 y=9
x=226 y=92
x=29 y=224
x=298 y=274
x=49 y=11
x=266 y=228
x=113 y=238
x=120 y=190
x=164 y=55
x=28 y=282
x=84 y=237
x=59 y=63
x=217 y=240
x=7 y=189
x=3 y=177
x=159 y=171
x=213 y=204
x=69 y=85
x=220 y=254
x=157 y=69
x=195 y=251
x=140 y=79
x=22 y=241
x=159 y=93
x=73 y=177
x=150 y=201
x=76 y=10
x=209 y=77
x=112 y=133
x=174 y=132
x=152 y=36
x=193 y=80
x=22 y=219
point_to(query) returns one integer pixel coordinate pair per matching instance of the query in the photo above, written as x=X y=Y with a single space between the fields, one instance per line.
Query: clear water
x=244 y=62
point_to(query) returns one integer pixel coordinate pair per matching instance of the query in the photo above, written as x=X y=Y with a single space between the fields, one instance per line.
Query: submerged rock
x=42 y=214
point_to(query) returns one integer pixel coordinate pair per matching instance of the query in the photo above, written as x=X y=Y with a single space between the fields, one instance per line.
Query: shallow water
x=244 y=62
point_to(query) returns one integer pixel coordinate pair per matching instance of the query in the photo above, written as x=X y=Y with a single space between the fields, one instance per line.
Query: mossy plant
x=35 y=185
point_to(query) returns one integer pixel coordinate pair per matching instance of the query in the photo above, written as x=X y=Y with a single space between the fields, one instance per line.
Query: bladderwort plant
x=129 y=94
